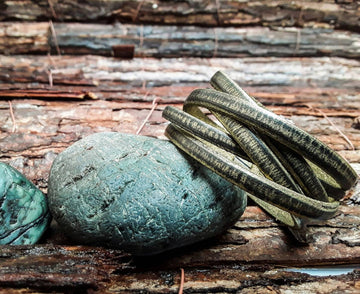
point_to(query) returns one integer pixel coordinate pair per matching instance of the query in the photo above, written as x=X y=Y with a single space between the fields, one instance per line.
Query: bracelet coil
x=291 y=174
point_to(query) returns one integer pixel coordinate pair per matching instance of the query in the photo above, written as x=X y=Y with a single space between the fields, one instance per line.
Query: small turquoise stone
x=24 y=213
x=139 y=194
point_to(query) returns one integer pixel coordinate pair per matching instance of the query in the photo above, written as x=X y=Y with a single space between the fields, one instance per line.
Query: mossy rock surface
x=24 y=213
x=139 y=194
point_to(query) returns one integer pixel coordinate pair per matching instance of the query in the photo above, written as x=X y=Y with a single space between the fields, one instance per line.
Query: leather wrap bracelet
x=291 y=174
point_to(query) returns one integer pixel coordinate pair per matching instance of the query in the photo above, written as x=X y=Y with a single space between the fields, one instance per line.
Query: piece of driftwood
x=174 y=41
x=339 y=14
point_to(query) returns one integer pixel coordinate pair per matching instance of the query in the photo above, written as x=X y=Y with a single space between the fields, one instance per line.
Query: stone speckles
x=139 y=194
x=24 y=213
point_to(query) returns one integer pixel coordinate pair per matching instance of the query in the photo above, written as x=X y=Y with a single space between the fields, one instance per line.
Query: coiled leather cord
x=285 y=170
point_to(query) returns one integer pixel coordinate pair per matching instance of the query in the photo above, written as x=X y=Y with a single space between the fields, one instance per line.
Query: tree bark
x=301 y=59
x=48 y=118
x=174 y=41
x=338 y=14
x=255 y=255
x=102 y=73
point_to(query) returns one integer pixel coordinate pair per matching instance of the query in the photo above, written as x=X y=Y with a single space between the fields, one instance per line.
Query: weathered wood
x=235 y=280
x=92 y=70
x=24 y=39
x=255 y=254
x=313 y=99
x=339 y=14
x=126 y=89
x=175 y=41
x=247 y=256
x=47 y=94
x=42 y=127
x=332 y=243
x=225 y=280
x=51 y=267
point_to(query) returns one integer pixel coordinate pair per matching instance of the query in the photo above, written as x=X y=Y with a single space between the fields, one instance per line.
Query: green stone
x=139 y=194
x=24 y=213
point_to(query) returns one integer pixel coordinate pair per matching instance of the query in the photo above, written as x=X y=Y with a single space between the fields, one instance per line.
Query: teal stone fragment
x=24 y=213
x=139 y=194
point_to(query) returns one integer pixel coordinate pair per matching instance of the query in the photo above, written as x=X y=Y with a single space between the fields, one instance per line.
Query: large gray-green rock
x=24 y=213
x=139 y=194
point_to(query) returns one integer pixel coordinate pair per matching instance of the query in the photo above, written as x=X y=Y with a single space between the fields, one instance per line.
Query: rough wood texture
x=175 y=41
x=126 y=89
x=252 y=255
x=102 y=73
x=230 y=261
x=49 y=102
x=338 y=14
x=50 y=267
